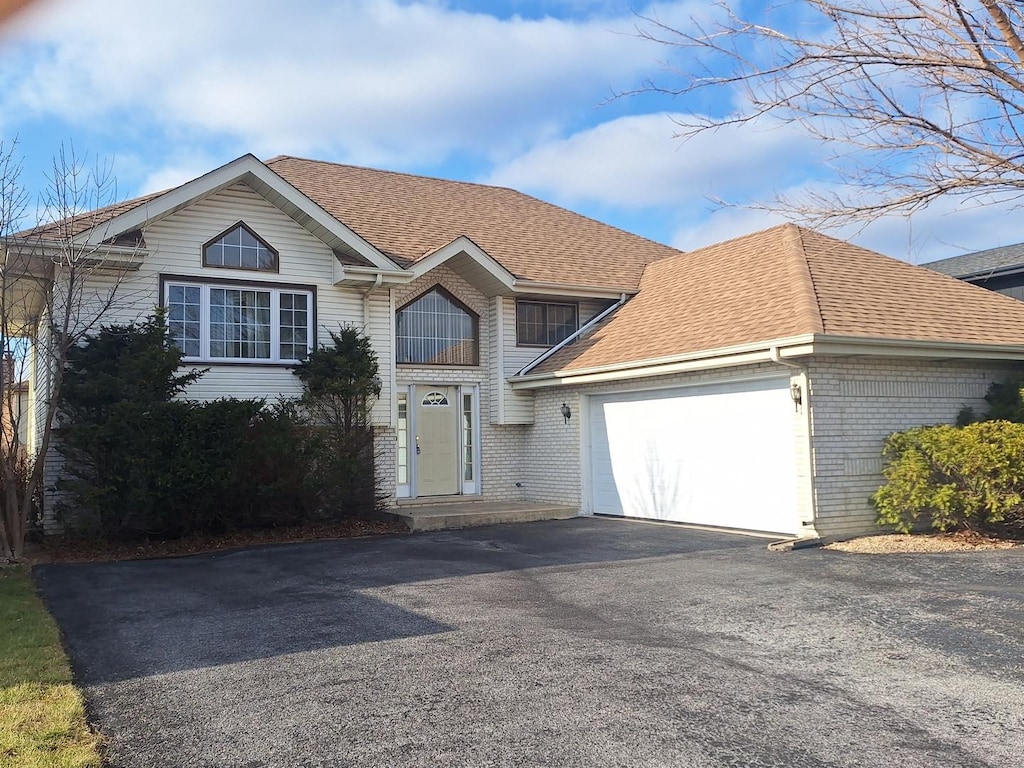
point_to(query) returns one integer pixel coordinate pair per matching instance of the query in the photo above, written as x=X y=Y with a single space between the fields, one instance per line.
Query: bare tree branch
x=923 y=98
x=58 y=282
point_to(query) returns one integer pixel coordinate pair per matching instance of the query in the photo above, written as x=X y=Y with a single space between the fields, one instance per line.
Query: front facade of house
x=529 y=354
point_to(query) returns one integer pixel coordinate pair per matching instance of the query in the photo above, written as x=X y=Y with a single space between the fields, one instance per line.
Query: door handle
x=417 y=445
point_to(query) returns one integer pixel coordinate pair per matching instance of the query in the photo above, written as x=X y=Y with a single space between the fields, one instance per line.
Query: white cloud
x=382 y=81
x=636 y=161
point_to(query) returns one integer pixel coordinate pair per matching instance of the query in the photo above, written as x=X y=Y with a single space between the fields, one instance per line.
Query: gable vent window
x=437 y=329
x=544 y=324
x=240 y=248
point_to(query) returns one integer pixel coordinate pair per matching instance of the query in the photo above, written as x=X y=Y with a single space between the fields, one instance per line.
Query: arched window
x=437 y=329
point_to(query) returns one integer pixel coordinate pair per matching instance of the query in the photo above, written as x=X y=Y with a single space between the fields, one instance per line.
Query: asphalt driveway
x=569 y=643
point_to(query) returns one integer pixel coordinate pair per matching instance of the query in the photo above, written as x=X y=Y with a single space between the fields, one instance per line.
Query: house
x=998 y=269
x=531 y=354
x=14 y=408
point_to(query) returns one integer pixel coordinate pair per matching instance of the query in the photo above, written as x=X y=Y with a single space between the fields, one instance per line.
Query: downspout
x=378 y=281
x=801 y=392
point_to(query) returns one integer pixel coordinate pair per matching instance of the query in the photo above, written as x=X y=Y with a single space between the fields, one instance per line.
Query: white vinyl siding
x=517 y=407
x=174 y=247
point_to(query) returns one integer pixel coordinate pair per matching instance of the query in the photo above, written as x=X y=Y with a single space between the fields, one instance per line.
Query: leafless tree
x=58 y=280
x=920 y=99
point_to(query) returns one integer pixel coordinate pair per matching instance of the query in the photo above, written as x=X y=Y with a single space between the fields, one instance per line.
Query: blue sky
x=511 y=93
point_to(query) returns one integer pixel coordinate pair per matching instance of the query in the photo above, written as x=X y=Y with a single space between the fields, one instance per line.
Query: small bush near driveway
x=42 y=716
x=955 y=478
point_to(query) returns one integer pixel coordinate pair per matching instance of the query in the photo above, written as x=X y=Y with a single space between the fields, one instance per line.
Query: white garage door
x=718 y=455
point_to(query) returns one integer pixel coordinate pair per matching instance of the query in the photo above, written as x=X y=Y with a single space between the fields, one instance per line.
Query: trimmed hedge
x=142 y=464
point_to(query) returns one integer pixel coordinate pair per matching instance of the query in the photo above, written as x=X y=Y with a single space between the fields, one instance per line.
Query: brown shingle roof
x=409 y=217
x=81 y=222
x=785 y=282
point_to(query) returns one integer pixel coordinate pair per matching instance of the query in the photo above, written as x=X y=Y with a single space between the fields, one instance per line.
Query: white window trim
x=275 y=292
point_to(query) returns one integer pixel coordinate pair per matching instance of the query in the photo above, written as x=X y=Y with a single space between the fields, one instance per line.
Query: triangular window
x=240 y=248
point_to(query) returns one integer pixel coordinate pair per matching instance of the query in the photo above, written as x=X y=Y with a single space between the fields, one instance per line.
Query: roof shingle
x=980 y=263
x=409 y=217
x=786 y=282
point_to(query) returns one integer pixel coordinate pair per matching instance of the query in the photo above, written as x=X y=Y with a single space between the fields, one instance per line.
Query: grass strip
x=42 y=715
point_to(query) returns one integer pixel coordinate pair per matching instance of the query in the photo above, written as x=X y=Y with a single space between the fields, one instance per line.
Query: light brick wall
x=501 y=446
x=856 y=403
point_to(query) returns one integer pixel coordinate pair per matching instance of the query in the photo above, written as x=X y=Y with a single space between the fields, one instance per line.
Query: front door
x=437 y=441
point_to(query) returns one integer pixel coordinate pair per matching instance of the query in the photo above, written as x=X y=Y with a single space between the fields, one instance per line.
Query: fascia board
x=724 y=357
x=247 y=166
x=534 y=288
x=793 y=348
x=953 y=350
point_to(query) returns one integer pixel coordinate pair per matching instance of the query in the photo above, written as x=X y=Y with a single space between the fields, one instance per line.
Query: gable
x=176 y=243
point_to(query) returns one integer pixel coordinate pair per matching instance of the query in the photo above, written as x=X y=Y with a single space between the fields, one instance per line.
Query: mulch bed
x=60 y=549
x=903 y=543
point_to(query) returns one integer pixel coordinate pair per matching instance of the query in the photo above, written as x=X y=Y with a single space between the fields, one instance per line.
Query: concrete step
x=436 y=517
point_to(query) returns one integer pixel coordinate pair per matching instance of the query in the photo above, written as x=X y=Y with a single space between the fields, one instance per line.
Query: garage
x=719 y=455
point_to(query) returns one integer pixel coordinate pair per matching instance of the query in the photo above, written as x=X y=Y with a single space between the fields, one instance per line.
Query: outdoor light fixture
x=377 y=384
x=566 y=412
x=796 y=394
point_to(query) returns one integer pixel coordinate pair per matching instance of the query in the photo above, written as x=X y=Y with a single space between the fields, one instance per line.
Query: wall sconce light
x=566 y=412
x=797 y=395
x=377 y=385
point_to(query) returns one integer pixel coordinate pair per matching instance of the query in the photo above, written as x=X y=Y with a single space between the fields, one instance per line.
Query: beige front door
x=437 y=441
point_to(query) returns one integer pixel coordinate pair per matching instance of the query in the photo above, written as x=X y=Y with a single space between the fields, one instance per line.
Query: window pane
x=434 y=330
x=530 y=324
x=544 y=325
x=561 y=322
x=238 y=318
x=294 y=326
x=183 y=314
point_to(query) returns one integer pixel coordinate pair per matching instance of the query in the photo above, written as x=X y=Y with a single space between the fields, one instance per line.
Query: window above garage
x=437 y=329
x=545 y=323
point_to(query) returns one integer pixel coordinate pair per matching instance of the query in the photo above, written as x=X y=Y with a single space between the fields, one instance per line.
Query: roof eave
x=722 y=357
x=761 y=352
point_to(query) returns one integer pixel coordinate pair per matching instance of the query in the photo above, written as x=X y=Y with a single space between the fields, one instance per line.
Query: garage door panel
x=721 y=455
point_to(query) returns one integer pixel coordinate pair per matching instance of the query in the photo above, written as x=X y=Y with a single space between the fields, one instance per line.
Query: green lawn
x=42 y=717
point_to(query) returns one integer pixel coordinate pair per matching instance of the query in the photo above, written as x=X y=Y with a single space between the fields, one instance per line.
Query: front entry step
x=468 y=514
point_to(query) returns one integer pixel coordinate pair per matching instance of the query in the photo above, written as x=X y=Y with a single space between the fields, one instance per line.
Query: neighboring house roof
x=1007 y=258
x=783 y=283
x=409 y=217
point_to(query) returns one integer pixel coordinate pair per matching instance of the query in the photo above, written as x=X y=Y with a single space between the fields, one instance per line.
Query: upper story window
x=214 y=322
x=437 y=329
x=240 y=248
x=544 y=324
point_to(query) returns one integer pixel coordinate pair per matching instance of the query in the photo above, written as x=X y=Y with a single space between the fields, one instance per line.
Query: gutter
x=571 y=338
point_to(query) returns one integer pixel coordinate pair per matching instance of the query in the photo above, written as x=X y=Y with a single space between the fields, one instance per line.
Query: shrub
x=340 y=385
x=950 y=477
x=141 y=464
